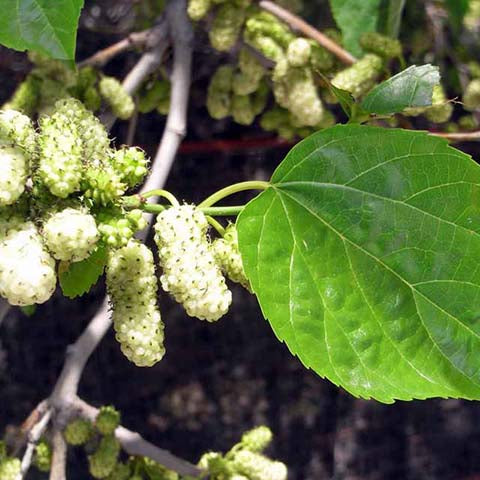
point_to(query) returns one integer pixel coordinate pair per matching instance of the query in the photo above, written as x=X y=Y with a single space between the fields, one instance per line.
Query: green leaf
x=354 y=18
x=457 y=10
x=45 y=26
x=29 y=310
x=77 y=278
x=390 y=18
x=412 y=87
x=364 y=257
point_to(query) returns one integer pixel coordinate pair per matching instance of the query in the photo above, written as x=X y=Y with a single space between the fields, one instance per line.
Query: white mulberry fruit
x=190 y=272
x=71 y=234
x=116 y=96
x=13 y=174
x=132 y=286
x=258 y=467
x=27 y=271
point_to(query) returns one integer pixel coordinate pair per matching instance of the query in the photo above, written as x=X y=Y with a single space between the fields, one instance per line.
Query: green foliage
x=412 y=87
x=457 y=10
x=355 y=18
x=371 y=235
x=391 y=16
x=41 y=25
x=78 y=278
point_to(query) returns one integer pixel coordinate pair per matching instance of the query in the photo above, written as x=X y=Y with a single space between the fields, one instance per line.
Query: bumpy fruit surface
x=228 y=256
x=71 y=234
x=78 y=432
x=10 y=468
x=17 y=129
x=117 y=227
x=382 y=45
x=263 y=24
x=131 y=164
x=258 y=467
x=242 y=109
x=26 y=97
x=197 y=9
x=27 y=271
x=104 y=460
x=226 y=27
x=257 y=439
x=120 y=472
x=43 y=456
x=155 y=470
x=60 y=164
x=107 y=420
x=13 y=174
x=132 y=286
x=298 y=52
x=360 y=77
x=471 y=97
x=102 y=184
x=219 y=97
x=190 y=272
x=120 y=101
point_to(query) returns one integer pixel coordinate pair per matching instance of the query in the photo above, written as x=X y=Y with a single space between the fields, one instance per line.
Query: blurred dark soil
x=217 y=380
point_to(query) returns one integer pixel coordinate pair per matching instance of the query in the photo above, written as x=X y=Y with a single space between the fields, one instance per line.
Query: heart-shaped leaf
x=364 y=256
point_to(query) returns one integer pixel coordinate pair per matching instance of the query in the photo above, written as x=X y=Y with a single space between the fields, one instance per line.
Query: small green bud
x=197 y=9
x=78 y=432
x=104 y=460
x=471 y=97
x=43 y=456
x=107 y=420
x=120 y=101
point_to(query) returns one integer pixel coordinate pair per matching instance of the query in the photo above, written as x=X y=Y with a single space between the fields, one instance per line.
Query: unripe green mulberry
x=386 y=47
x=102 y=184
x=242 y=109
x=471 y=97
x=25 y=99
x=197 y=9
x=251 y=73
x=92 y=99
x=260 y=98
x=10 y=468
x=104 y=460
x=154 y=94
x=190 y=272
x=299 y=52
x=27 y=271
x=257 y=439
x=78 y=432
x=17 y=129
x=320 y=58
x=120 y=472
x=117 y=227
x=226 y=27
x=132 y=286
x=228 y=256
x=131 y=164
x=213 y=462
x=258 y=467
x=108 y=419
x=266 y=45
x=13 y=174
x=156 y=471
x=219 y=98
x=43 y=456
x=267 y=25
x=71 y=234
x=297 y=92
x=60 y=165
x=360 y=77
x=441 y=109
x=120 y=101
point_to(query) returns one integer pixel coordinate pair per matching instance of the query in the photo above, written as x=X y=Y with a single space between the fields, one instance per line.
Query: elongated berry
x=190 y=272
x=103 y=461
x=226 y=26
x=27 y=271
x=71 y=234
x=132 y=286
x=257 y=439
x=120 y=101
x=43 y=456
x=258 y=467
x=13 y=174
x=131 y=165
x=78 y=432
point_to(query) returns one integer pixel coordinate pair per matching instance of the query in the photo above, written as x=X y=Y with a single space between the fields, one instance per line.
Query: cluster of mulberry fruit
x=280 y=76
x=246 y=460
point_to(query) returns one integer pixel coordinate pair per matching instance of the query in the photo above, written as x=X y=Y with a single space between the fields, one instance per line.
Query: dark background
x=217 y=380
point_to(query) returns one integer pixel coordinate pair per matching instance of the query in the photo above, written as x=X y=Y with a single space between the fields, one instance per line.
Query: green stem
x=216 y=225
x=162 y=193
x=235 y=188
x=212 y=211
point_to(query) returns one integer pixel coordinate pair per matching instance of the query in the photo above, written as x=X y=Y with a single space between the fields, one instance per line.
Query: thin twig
x=148 y=63
x=100 y=58
x=301 y=25
x=58 y=469
x=135 y=444
x=459 y=136
x=33 y=438
x=182 y=38
x=132 y=128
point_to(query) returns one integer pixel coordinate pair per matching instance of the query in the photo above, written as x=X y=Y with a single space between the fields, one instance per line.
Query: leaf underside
x=46 y=26
x=364 y=257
